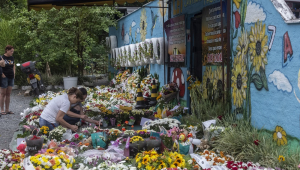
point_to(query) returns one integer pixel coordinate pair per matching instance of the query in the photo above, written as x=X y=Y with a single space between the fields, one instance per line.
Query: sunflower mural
x=143 y=25
x=279 y=136
x=258 y=46
x=208 y=78
x=239 y=81
x=218 y=80
x=250 y=60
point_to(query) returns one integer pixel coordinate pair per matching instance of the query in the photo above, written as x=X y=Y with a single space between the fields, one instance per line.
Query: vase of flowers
x=131 y=120
x=104 y=123
x=113 y=121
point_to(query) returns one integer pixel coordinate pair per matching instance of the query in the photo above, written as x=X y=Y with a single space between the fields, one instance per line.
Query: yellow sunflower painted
x=208 y=77
x=258 y=46
x=218 y=77
x=239 y=81
x=243 y=43
x=280 y=136
x=237 y=3
x=143 y=25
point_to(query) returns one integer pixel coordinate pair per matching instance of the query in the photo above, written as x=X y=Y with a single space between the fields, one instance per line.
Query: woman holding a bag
x=53 y=114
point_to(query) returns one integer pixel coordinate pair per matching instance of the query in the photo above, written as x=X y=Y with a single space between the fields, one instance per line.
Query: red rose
x=256 y=142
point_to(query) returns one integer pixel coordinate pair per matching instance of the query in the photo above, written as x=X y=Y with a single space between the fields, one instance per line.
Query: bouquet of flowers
x=32 y=118
x=88 y=131
x=47 y=161
x=57 y=133
x=143 y=133
x=146 y=85
x=136 y=139
x=167 y=123
x=152 y=160
x=11 y=160
x=44 y=130
x=131 y=120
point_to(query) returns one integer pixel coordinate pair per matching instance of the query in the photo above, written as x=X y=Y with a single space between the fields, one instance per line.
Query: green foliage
x=238 y=141
x=57 y=79
x=23 y=135
x=64 y=38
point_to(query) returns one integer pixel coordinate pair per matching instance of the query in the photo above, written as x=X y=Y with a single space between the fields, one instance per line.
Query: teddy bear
x=203 y=145
x=88 y=141
x=22 y=147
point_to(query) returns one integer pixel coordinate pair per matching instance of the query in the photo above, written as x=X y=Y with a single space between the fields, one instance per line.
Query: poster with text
x=176 y=34
x=212 y=34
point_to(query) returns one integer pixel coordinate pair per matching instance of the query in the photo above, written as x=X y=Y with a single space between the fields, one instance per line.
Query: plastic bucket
x=70 y=82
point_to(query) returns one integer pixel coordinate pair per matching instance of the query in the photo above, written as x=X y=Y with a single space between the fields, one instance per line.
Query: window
x=294 y=6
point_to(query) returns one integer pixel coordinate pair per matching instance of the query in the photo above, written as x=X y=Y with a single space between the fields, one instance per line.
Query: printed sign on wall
x=175 y=30
x=212 y=34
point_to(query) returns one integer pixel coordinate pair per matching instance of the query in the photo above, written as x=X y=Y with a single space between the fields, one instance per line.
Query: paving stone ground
x=10 y=123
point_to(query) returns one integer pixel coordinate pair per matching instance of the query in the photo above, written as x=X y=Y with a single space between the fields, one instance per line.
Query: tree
x=70 y=34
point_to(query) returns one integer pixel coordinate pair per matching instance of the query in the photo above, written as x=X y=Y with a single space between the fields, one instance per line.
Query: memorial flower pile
x=57 y=133
x=11 y=160
x=32 y=118
x=56 y=162
x=146 y=85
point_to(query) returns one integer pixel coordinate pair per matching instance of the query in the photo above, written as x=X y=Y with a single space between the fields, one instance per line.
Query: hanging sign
x=176 y=34
x=212 y=34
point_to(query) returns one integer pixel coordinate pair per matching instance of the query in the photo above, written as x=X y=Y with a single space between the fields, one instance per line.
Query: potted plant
x=136 y=55
x=131 y=120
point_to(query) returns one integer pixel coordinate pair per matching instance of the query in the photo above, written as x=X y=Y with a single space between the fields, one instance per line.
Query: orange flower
x=132 y=126
x=80 y=143
x=38 y=168
x=126 y=122
x=206 y=152
x=86 y=144
x=52 y=161
x=123 y=129
x=119 y=125
x=222 y=154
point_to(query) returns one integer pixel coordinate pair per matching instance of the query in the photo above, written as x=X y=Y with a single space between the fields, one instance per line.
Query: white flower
x=190 y=161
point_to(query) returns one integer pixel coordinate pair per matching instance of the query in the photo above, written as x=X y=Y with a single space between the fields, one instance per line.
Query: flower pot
x=70 y=82
x=49 y=87
x=113 y=121
x=104 y=124
x=153 y=61
x=131 y=122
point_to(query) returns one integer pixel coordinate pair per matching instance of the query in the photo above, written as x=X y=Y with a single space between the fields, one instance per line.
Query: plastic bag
x=99 y=139
x=154 y=144
x=135 y=148
x=67 y=135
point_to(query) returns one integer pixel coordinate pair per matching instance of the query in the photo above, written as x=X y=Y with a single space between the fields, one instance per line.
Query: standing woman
x=8 y=76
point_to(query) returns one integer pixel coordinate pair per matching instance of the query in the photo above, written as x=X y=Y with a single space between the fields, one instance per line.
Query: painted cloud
x=254 y=12
x=280 y=81
x=138 y=30
x=133 y=24
x=126 y=39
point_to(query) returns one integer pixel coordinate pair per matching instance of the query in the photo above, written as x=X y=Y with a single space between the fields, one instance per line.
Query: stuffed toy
x=22 y=147
x=88 y=141
x=203 y=145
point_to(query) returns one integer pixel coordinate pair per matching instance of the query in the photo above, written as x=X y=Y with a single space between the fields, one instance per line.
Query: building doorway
x=196 y=47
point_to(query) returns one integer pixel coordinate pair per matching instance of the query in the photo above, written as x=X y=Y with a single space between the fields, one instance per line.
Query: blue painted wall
x=277 y=103
x=132 y=31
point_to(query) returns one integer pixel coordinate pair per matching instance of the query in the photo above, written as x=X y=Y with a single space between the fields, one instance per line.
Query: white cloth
x=58 y=103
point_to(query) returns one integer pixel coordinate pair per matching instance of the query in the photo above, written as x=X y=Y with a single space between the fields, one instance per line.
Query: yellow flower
x=189 y=87
x=143 y=25
x=258 y=46
x=281 y=158
x=239 y=81
x=139 y=165
x=243 y=42
x=280 y=136
x=237 y=3
x=50 y=150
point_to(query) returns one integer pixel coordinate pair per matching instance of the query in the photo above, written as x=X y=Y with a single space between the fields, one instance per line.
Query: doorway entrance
x=196 y=47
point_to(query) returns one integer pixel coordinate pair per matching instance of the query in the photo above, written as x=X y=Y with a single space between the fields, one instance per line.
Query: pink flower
x=76 y=136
